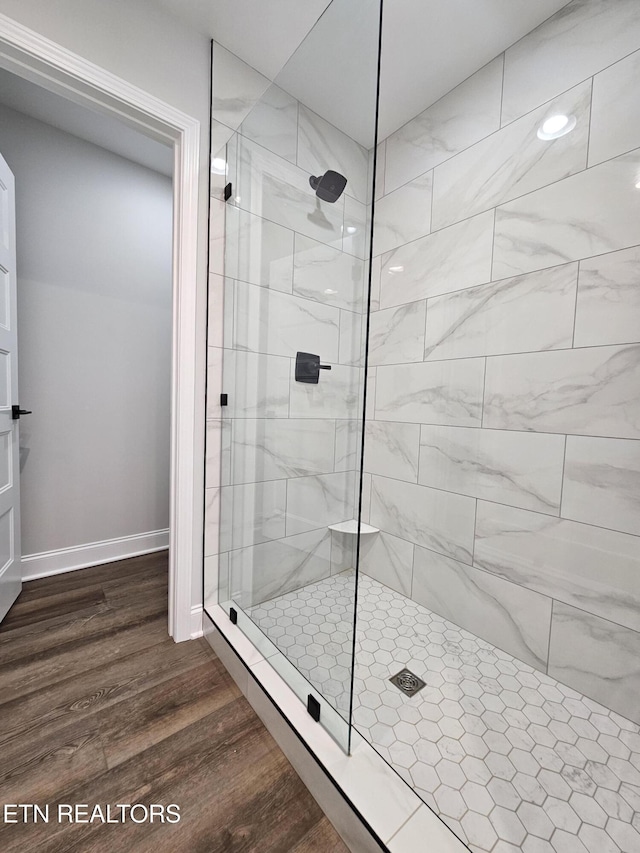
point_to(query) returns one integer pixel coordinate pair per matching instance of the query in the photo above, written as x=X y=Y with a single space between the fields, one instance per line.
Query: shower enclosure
x=436 y=541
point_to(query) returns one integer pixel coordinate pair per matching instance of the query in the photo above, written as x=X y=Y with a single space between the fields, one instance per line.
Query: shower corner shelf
x=351 y=526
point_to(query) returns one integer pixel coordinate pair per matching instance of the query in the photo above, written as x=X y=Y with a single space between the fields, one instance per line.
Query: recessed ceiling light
x=394 y=270
x=330 y=292
x=351 y=229
x=218 y=166
x=556 y=126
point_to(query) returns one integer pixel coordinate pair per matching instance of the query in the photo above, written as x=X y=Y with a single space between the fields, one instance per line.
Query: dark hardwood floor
x=99 y=706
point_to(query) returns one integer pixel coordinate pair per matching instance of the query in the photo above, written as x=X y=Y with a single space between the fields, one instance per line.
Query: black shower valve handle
x=324 y=367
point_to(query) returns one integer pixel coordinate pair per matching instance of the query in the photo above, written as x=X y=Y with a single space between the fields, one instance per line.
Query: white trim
x=93 y=554
x=31 y=55
x=197 y=617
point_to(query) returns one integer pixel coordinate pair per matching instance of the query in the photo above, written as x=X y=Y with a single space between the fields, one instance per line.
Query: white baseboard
x=197 y=614
x=43 y=565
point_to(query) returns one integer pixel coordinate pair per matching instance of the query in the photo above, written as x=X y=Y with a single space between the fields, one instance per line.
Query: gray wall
x=94 y=318
x=291 y=279
x=151 y=49
x=503 y=453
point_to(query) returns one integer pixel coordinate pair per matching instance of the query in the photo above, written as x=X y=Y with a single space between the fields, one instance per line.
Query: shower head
x=330 y=186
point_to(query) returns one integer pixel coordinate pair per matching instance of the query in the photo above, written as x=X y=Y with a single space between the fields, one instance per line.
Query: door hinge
x=228 y=192
x=224 y=399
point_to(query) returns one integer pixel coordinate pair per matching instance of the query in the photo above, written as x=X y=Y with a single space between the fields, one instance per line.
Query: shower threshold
x=508 y=757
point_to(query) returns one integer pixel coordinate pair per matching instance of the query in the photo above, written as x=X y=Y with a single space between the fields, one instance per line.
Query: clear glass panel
x=296 y=279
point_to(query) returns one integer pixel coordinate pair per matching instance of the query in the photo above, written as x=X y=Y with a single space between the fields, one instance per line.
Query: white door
x=10 y=574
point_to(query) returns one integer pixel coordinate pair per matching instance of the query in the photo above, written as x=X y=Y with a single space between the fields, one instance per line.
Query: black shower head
x=330 y=186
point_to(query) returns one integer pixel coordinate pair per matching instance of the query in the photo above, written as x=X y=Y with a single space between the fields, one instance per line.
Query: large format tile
x=275 y=323
x=513 y=161
x=588 y=567
x=277 y=448
x=351 y=339
x=218 y=453
x=273 y=123
x=437 y=520
x=581 y=39
x=515 y=468
x=258 y=251
x=615 y=113
x=522 y=314
x=468 y=113
x=319 y=501
x=403 y=215
x=391 y=449
x=337 y=394
x=322 y=146
x=356 y=238
x=328 y=275
x=509 y=616
x=602 y=483
x=388 y=560
x=396 y=335
x=261 y=572
x=598 y=658
x=348 y=444
x=275 y=189
x=435 y=264
x=594 y=391
x=257 y=386
x=443 y=392
x=593 y=212
x=608 y=307
x=237 y=87
x=252 y=513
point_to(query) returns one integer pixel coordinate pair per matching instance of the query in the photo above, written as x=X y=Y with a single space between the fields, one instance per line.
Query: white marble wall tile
x=275 y=189
x=435 y=264
x=593 y=212
x=252 y=513
x=380 y=168
x=342 y=552
x=273 y=123
x=403 y=215
x=257 y=385
x=437 y=520
x=615 y=113
x=370 y=408
x=220 y=136
x=237 y=87
x=511 y=617
x=267 y=321
x=588 y=567
x=215 y=311
x=314 y=502
x=602 y=483
x=515 y=468
x=521 y=314
x=608 y=307
x=258 y=251
x=335 y=396
x=392 y=449
x=357 y=228
x=388 y=560
x=444 y=392
x=594 y=391
x=214 y=382
x=217 y=212
x=218 y=453
x=351 y=339
x=513 y=161
x=581 y=39
x=327 y=275
x=396 y=335
x=376 y=271
x=277 y=448
x=598 y=658
x=468 y=113
x=348 y=440
x=366 y=497
x=211 y=521
x=274 y=568
x=322 y=146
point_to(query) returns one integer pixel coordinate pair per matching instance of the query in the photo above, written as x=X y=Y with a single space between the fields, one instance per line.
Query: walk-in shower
x=437 y=541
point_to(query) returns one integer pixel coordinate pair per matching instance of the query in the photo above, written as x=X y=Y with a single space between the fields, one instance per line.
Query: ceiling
x=99 y=129
x=429 y=46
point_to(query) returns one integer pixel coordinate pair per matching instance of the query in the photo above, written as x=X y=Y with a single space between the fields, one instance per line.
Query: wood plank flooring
x=99 y=706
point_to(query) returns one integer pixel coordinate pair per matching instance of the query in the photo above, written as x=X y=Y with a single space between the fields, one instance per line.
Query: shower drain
x=406 y=681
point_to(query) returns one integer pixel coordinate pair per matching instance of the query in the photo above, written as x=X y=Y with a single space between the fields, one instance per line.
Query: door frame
x=51 y=66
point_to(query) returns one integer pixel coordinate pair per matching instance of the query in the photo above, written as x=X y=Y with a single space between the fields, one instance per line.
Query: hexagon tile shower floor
x=511 y=759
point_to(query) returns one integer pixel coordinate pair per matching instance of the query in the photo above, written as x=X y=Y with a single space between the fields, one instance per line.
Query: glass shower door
x=296 y=280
